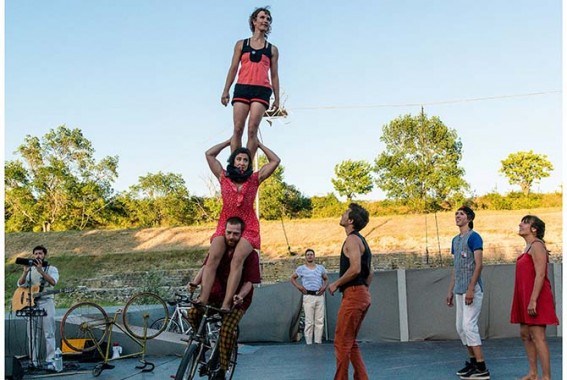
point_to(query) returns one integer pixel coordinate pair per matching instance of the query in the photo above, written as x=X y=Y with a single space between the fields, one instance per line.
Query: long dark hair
x=232 y=172
x=536 y=223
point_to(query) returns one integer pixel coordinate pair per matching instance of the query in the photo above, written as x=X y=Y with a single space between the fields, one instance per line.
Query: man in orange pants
x=355 y=276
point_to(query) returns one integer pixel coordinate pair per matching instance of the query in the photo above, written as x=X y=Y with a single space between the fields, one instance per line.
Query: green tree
x=159 y=200
x=57 y=184
x=327 y=206
x=353 y=177
x=420 y=164
x=279 y=199
x=525 y=169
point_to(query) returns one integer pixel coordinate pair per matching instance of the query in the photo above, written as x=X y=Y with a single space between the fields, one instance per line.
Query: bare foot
x=528 y=377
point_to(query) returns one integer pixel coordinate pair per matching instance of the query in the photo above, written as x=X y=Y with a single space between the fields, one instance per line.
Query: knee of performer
x=525 y=336
x=538 y=338
x=252 y=132
x=238 y=131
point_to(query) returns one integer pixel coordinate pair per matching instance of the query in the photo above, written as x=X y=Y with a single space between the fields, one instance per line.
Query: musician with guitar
x=46 y=276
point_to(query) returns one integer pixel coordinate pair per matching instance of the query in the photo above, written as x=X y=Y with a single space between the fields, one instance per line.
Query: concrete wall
x=407 y=305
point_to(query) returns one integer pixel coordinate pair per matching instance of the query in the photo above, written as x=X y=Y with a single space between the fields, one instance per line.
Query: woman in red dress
x=533 y=305
x=239 y=186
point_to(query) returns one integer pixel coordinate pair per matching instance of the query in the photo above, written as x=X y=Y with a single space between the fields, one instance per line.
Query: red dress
x=525 y=278
x=240 y=203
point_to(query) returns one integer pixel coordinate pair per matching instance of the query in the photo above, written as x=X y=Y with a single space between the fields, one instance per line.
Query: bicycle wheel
x=173 y=326
x=188 y=365
x=85 y=320
x=140 y=310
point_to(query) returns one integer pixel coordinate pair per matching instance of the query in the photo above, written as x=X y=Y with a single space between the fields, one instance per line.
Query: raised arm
x=211 y=156
x=225 y=97
x=275 y=77
x=273 y=162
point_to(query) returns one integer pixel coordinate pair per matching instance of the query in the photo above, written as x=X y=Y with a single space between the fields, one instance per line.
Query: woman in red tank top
x=238 y=189
x=533 y=305
x=258 y=79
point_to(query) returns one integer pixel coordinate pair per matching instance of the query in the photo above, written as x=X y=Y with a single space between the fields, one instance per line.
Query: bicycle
x=88 y=321
x=203 y=351
x=178 y=323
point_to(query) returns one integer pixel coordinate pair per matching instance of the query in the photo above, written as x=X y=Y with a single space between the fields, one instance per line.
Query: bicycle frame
x=106 y=355
x=178 y=317
x=204 y=338
x=89 y=320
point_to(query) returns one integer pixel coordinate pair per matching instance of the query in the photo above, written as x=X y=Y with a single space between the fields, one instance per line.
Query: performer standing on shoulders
x=256 y=58
x=46 y=277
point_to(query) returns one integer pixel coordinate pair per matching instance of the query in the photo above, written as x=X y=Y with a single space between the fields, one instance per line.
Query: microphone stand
x=32 y=313
x=31 y=335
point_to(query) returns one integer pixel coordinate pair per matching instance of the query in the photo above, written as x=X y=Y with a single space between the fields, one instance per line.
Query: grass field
x=91 y=254
x=395 y=233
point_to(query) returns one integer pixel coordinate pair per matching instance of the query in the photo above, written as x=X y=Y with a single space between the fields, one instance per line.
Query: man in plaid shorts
x=242 y=298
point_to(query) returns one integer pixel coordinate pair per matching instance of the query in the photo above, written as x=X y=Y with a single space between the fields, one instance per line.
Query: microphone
x=29 y=262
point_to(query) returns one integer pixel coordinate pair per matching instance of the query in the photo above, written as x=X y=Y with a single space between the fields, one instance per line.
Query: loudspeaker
x=14 y=370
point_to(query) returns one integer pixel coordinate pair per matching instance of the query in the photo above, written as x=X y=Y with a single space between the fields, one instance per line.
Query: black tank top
x=256 y=55
x=365 y=261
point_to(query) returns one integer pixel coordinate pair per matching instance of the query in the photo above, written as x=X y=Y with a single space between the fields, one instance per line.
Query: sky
x=143 y=80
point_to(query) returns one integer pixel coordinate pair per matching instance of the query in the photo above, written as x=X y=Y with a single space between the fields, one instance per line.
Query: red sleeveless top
x=523 y=287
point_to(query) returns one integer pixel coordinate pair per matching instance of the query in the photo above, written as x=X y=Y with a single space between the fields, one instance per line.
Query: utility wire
x=440 y=102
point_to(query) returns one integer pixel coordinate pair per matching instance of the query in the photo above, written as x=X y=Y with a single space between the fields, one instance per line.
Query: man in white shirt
x=314 y=282
x=46 y=276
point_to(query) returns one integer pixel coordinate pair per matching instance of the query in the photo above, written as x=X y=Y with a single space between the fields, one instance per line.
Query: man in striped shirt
x=314 y=281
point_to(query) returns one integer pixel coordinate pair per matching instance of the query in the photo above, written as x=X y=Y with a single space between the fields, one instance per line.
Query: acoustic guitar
x=25 y=297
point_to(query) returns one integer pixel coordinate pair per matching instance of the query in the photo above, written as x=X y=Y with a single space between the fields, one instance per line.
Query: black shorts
x=247 y=93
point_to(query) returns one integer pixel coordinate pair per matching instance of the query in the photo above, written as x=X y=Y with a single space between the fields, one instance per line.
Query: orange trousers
x=354 y=305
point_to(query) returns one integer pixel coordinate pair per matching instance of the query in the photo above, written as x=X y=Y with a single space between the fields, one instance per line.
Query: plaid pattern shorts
x=227 y=335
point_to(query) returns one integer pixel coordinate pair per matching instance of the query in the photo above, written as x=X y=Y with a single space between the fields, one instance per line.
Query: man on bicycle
x=242 y=298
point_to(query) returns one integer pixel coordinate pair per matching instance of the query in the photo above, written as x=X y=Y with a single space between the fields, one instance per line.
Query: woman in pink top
x=258 y=79
x=239 y=186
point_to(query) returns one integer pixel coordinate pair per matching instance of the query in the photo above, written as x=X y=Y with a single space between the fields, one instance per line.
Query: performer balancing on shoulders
x=257 y=80
x=239 y=186
x=46 y=277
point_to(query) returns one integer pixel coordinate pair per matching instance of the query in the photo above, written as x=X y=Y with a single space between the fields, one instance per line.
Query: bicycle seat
x=172 y=303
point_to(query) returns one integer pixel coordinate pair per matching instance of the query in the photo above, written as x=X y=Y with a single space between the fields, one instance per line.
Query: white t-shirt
x=311 y=279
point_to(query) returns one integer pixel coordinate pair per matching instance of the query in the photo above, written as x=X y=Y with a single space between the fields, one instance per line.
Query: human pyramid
x=232 y=267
